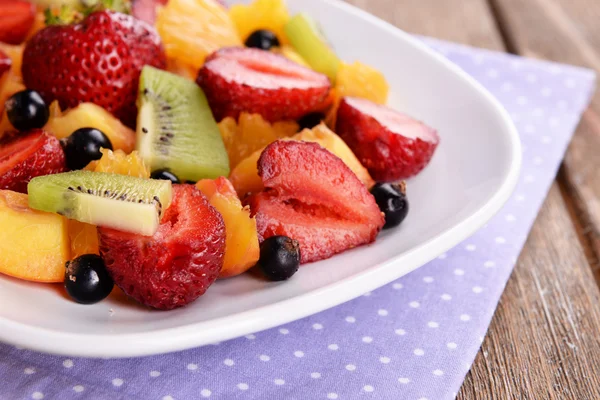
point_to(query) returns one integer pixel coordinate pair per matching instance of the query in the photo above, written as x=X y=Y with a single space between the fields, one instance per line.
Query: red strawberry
x=176 y=265
x=24 y=156
x=256 y=81
x=16 y=19
x=5 y=64
x=313 y=197
x=98 y=60
x=391 y=145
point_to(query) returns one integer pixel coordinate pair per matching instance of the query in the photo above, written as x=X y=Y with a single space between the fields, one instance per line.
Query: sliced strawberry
x=98 y=60
x=16 y=19
x=25 y=156
x=5 y=64
x=256 y=81
x=313 y=197
x=176 y=265
x=391 y=145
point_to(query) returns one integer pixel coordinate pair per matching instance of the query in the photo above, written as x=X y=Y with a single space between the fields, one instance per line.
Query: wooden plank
x=542 y=342
x=566 y=31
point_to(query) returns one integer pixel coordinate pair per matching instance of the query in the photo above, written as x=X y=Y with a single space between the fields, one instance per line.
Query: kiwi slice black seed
x=115 y=201
x=176 y=129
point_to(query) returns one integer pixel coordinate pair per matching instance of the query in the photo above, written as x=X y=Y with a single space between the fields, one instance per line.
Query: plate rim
x=255 y=320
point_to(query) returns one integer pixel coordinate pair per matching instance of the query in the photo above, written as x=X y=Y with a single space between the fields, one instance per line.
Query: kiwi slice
x=176 y=129
x=121 y=202
x=305 y=35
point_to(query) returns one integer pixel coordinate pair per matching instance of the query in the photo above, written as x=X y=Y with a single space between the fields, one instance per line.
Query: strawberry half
x=313 y=197
x=98 y=60
x=16 y=19
x=24 y=156
x=257 y=81
x=391 y=145
x=176 y=265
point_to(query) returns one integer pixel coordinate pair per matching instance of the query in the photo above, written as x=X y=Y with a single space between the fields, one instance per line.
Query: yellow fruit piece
x=38 y=24
x=245 y=179
x=291 y=54
x=260 y=14
x=83 y=238
x=252 y=132
x=192 y=29
x=360 y=80
x=89 y=115
x=241 y=244
x=34 y=245
x=118 y=162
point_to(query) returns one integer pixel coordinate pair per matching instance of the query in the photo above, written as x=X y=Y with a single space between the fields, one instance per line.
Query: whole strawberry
x=98 y=60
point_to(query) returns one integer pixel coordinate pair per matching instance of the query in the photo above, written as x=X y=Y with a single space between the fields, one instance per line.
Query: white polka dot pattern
x=413 y=339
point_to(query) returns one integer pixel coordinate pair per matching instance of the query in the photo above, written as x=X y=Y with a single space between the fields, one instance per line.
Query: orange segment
x=193 y=29
x=84 y=238
x=241 y=246
x=252 y=132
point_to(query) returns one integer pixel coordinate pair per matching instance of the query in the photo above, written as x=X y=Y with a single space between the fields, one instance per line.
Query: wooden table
x=544 y=341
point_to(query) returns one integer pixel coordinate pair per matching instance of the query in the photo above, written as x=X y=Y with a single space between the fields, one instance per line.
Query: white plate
x=471 y=176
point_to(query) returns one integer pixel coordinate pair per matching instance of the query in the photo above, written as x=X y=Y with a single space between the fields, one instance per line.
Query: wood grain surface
x=544 y=341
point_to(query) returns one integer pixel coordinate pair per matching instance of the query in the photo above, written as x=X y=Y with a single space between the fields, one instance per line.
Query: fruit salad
x=157 y=146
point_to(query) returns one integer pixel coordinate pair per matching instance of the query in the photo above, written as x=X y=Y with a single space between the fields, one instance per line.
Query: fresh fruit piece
x=245 y=179
x=146 y=9
x=34 y=245
x=15 y=53
x=165 y=175
x=16 y=18
x=27 y=155
x=5 y=63
x=391 y=145
x=99 y=61
x=27 y=110
x=86 y=279
x=241 y=245
x=250 y=133
x=309 y=121
x=193 y=29
x=332 y=142
x=360 y=80
x=83 y=146
x=116 y=201
x=83 y=237
x=392 y=201
x=255 y=81
x=308 y=40
x=89 y=115
x=279 y=258
x=262 y=39
x=176 y=129
x=313 y=197
x=291 y=54
x=271 y=15
x=39 y=23
x=117 y=162
x=176 y=265
x=179 y=68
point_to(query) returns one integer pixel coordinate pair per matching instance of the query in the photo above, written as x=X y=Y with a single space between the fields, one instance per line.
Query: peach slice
x=34 y=245
x=241 y=246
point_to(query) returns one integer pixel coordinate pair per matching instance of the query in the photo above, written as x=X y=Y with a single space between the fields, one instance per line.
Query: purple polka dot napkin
x=415 y=338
